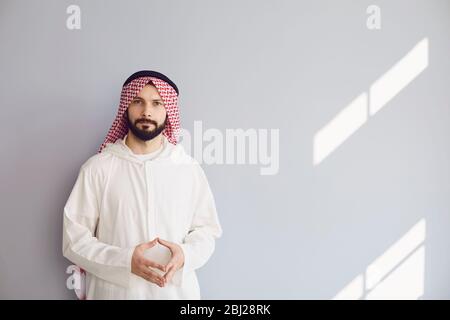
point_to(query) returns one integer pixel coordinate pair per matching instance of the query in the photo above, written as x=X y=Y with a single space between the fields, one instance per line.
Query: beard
x=146 y=133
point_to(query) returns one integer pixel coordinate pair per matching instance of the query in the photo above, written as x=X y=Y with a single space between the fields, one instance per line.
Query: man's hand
x=140 y=265
x=177 y=260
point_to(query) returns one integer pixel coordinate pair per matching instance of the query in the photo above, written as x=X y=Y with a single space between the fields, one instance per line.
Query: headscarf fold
x=130 y=89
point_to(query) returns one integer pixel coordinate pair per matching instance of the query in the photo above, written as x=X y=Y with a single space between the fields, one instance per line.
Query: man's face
x=147 y=114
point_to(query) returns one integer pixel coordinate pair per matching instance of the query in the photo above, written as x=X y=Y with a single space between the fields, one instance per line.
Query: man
x=140 y=191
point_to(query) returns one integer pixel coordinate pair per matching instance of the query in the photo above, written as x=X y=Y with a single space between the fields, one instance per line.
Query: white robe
x=119 y=201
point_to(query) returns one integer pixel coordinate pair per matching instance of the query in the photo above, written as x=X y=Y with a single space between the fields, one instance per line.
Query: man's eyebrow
x=143 y=99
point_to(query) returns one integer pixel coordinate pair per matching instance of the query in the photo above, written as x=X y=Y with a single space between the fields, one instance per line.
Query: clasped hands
x=140 y=264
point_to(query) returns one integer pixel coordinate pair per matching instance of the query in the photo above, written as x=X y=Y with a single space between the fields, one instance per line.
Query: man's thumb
x=150 y=244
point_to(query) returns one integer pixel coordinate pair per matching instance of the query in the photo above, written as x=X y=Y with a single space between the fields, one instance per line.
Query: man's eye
x=137 y=101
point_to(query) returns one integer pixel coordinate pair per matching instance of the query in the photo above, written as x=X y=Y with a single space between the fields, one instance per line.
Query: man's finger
x=165 y=243
x=150 y=244
x=152 y=273
x=153 y=277
x=168 y=276
x=150 y=263
x=153 y=280
x=168 y=266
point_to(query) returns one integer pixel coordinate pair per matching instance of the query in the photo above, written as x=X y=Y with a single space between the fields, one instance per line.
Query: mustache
x=146 y=121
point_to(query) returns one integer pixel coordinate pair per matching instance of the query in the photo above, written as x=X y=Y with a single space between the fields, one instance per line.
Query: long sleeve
x=80 y=246
x=199 y=243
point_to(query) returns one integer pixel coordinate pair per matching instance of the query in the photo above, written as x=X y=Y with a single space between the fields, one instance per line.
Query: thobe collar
x=169 y=151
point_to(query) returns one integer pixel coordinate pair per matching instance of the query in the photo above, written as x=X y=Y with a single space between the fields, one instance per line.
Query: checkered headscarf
x=131 y=88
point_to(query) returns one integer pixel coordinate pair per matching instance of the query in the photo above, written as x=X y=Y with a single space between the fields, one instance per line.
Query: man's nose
x=147 y=112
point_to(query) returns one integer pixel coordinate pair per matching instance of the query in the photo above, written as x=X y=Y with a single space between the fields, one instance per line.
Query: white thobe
x=120 y=200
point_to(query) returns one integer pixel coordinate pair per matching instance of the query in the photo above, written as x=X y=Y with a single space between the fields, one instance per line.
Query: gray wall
x=310 y=231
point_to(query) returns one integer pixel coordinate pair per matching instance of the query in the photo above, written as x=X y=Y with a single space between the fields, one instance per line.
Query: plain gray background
x=304 y=233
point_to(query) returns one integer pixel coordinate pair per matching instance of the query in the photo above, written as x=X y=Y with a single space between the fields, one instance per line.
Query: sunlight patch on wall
x=399 y=273
x=352 y=117
x=398 y=77
x=344 y=124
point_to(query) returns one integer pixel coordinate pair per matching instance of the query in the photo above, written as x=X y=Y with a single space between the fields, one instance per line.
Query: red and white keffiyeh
x=169 y=96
